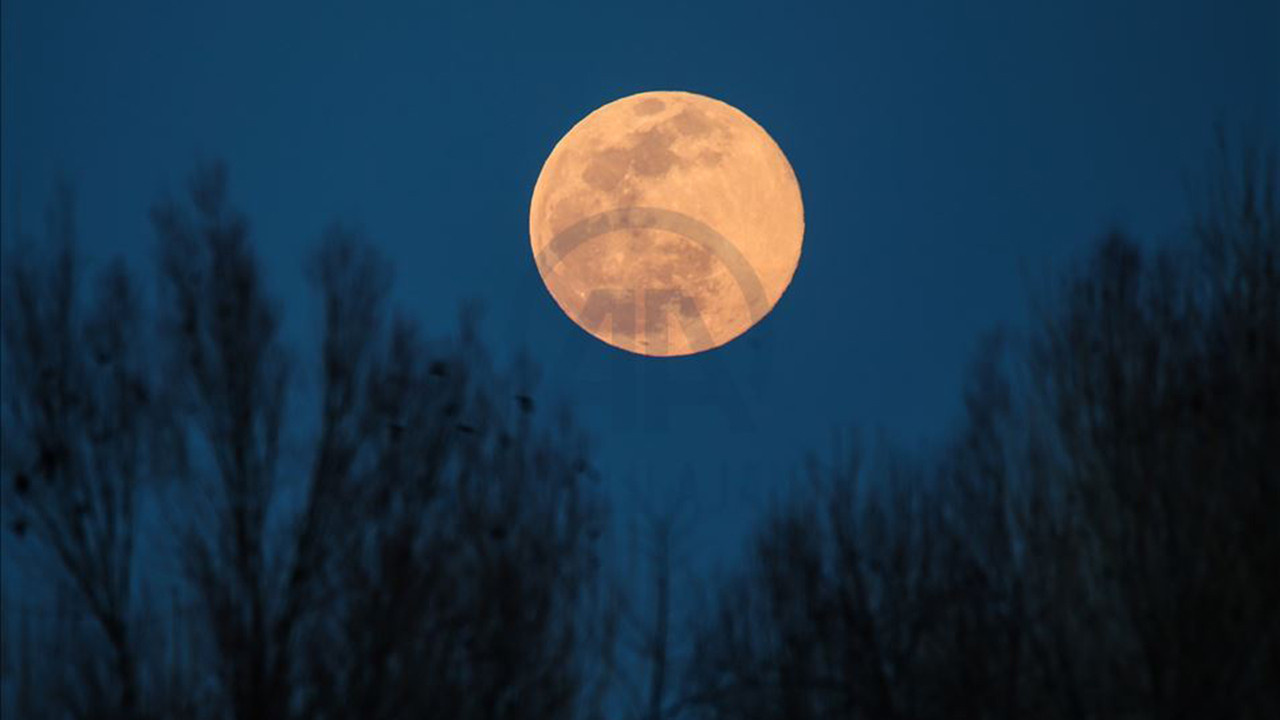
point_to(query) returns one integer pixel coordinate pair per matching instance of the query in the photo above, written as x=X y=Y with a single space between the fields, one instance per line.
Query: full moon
x=666 y=223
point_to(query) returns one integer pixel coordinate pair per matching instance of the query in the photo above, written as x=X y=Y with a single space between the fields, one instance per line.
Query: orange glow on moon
x=666 y=223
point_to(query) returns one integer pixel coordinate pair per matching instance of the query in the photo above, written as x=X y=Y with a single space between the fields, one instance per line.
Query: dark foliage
x=389 y=526
x=78 y=422
x=431 y=555
x=1099 y=540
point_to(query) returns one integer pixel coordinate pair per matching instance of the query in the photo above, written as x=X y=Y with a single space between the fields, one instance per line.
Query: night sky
x=951 y=157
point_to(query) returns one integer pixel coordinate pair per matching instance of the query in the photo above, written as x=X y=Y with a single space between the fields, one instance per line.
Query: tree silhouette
x=1097 y=539
x=77 y=443
x=430 y=550
x=228 y=373
x=387 y=525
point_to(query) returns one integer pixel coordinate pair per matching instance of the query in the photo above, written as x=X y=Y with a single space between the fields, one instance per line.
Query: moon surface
x=666 y=223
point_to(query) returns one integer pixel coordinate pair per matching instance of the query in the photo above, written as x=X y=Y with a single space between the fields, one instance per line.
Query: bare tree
x=650 y=584
x=228 y=373
x=1163 y=375
x=438 y=559
x=436 y=556
x=1096 y=540
x=461 y=588
x=78 y=418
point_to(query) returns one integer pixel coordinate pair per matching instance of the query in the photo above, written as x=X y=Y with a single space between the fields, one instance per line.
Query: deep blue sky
x=949 y=155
